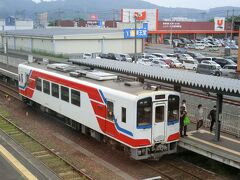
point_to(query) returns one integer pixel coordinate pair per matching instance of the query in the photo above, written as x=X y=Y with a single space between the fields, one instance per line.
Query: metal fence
x=230 y=123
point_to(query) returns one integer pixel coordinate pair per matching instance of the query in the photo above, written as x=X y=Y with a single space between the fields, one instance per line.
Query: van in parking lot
x=209 y=69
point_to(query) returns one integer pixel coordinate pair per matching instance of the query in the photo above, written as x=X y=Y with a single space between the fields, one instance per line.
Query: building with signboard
x=191 y=30
x=71 y=41
x=177 y=28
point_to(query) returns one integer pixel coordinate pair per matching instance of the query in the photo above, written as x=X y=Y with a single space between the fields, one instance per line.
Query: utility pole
x=232 y=25
x=113 y=18
x=226 y=27
x=171 y=34
x=135 y=38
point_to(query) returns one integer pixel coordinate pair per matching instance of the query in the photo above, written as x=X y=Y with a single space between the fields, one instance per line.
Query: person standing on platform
x=183 y=128
x=184 y=104
x=212 y=117
x=199 y=116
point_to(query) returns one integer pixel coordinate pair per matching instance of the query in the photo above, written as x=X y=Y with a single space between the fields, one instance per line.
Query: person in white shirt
x=199 y=116
x=184 y=104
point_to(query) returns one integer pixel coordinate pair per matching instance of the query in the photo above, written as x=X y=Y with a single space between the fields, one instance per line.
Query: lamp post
x=135 y=38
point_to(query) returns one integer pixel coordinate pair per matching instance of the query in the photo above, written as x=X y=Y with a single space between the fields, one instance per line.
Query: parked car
x=199 y=46
x=172 y=56
x=233 y=58
x=209 y=69
x=196 y=55
x=146 y=62
x=119 y=57
x=176 y=64
x=189 y=64
x=213 y=48
x=161 y=56
x=87 y=56
x=229 y=70
x=223 y=62
x=125 y=57
x=182 y=57
x=210 y=62
x=159 y=63
x=146 y=56
x=180 y=50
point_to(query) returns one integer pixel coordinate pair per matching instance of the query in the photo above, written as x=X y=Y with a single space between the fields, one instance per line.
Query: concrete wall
x=43 y=45
x=101 y=45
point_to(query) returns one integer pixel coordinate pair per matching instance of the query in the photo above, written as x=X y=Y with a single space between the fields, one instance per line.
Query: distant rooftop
x=50 y=32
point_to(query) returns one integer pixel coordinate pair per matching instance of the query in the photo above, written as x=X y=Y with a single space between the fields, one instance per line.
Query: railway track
x=9 y=90
x=62 y=168
x=178 y=170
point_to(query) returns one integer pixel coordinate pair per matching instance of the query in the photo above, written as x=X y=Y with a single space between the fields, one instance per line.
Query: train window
x=65 y=94
x=159 y=114
x=124 y=114
x=75 y=97
x=144 y=113
x=55 y=90
x=173 y=108
x=39 y=84
x=110 y=112
x=46 y=87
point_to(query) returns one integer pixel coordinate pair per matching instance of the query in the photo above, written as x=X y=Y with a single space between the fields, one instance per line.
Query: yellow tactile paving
x=16 y=164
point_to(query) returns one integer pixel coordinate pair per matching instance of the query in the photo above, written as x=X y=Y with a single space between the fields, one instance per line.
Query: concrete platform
x=227 y=150
x=7 y=171
x=22 y=163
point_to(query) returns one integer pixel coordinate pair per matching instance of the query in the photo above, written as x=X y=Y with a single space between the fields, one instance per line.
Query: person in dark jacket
x=183 y=128
x=212 y=116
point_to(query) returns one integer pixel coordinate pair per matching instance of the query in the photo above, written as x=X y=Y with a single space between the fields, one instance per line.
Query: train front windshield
x=173 y=108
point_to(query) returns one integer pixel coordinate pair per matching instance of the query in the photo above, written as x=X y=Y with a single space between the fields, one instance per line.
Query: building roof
x=50 y=32
x=204 y=82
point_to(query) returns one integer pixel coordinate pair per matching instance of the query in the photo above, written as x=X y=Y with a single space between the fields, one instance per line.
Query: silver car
x=229 y=70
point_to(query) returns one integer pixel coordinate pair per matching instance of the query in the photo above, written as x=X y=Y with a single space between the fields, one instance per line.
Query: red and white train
x=146 y=121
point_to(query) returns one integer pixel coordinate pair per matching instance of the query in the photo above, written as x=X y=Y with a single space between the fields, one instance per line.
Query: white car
x=199 y=46
x=190 y=64
x=159 y=63
x=182 y=57
x=172 y=56
x=177 y=64
x=161 y=56
x=146 y=62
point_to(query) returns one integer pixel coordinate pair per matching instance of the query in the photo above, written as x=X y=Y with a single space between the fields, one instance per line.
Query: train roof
x=99 y=77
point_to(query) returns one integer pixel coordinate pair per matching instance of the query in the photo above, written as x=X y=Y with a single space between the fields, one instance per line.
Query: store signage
x=130 y=33
x=140 y=16
x=219 y=23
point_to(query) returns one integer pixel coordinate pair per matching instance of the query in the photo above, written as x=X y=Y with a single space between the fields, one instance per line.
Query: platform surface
x=7 y=172
x=227 y=150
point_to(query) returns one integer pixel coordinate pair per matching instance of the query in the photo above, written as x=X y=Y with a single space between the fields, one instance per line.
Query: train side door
x=159 y=120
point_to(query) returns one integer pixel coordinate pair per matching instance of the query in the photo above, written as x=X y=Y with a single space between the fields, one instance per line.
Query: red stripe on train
x=173 y=137
x=111 y=130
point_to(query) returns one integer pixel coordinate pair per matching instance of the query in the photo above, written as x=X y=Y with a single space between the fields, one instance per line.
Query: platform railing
x=230 y=123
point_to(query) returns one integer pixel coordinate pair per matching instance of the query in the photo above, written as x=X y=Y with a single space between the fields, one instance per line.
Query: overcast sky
x=199 y=4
